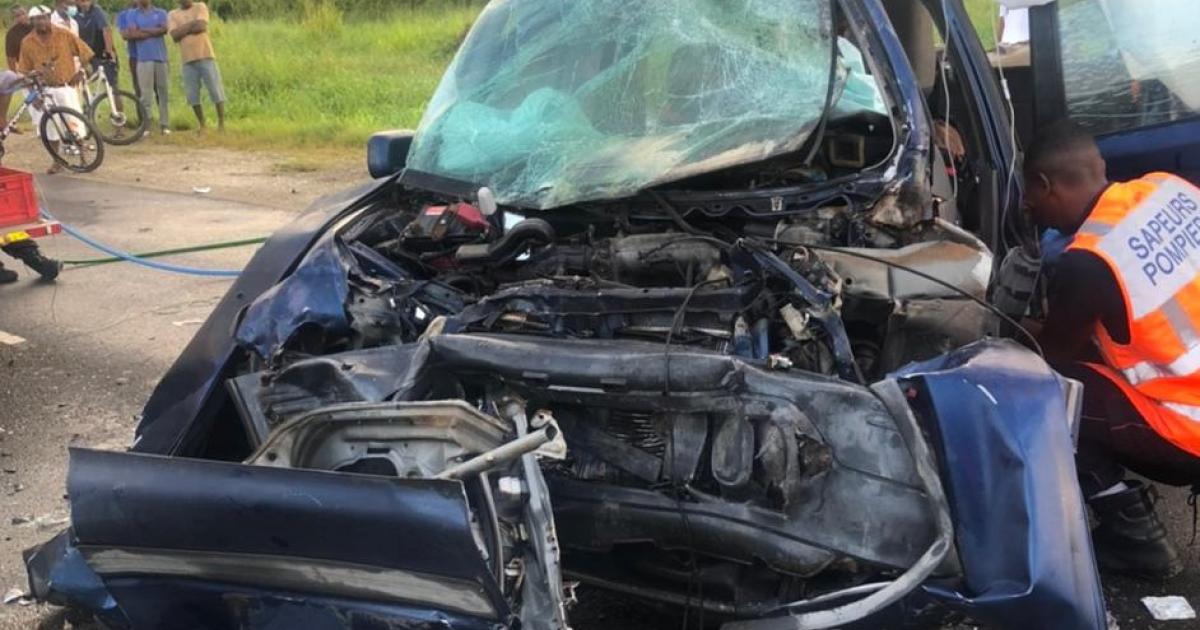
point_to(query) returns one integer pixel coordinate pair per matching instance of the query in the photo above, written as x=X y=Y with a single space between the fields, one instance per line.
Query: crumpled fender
x=58 y=574
x=186 y=390
x=999 y=416
x=315 y=294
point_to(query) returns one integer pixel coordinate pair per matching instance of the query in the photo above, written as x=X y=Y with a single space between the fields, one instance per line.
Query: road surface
x=79 y=357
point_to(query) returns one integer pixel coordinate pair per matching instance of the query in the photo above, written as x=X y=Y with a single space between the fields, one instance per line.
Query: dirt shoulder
x=190 y=164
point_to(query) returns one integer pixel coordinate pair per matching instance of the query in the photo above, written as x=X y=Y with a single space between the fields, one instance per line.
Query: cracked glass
x=554 y=102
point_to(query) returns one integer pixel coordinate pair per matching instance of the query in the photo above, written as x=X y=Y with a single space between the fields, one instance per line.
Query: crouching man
x=1123 y=318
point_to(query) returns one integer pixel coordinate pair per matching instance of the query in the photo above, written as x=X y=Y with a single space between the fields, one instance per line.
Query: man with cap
x=53 y=52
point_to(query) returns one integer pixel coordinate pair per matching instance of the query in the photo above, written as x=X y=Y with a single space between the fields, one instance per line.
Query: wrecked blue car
x=674 y=299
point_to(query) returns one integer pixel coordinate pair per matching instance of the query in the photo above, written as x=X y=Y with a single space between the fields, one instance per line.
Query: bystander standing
x=64 y=16
x=12 y=50
x=96 y=32
x=146 y=27
x=52 y=51
x=189 y=28
x=16 y=34
x=123 y=23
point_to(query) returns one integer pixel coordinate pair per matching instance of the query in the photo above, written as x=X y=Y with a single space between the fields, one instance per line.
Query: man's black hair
x=1054 y=145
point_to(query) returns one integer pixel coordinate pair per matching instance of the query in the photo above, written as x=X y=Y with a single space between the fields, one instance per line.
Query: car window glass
x=1127 y=64
x=553 y=102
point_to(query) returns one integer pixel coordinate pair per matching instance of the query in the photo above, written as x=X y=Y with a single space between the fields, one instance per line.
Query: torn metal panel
x=189 y=604
x=59 y=574
x=333 y=437
x=866 y=459
x=968 y=268
x=126 y=519
x=1001 y=419
x=314 y=295
x=184 y=397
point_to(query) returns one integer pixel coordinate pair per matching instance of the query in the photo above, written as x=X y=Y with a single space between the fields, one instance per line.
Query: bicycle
x=118 y=115
x=69 y=137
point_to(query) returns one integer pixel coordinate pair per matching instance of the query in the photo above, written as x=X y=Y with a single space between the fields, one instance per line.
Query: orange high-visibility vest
x=1148 y=232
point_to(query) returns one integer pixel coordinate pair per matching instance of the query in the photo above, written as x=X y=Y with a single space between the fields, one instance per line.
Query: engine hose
x=509 y=246
x=167 y=267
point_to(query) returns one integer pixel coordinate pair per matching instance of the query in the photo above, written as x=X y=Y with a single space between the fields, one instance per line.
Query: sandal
x=54 y=169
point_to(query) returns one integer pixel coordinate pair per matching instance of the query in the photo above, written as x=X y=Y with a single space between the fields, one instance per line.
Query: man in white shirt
x=64 y=16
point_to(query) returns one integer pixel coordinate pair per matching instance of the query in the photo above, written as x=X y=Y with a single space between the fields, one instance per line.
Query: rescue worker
x=28 y=252
x=1124 y=319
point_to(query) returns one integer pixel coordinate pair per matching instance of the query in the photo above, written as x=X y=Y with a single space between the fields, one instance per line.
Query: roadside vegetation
x=320 y=76
x=983 y=15
x=316 y=77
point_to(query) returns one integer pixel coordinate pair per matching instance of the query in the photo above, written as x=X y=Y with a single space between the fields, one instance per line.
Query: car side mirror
x=387 y=152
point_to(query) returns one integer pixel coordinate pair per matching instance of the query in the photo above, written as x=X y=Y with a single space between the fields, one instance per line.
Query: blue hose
x=158 y=266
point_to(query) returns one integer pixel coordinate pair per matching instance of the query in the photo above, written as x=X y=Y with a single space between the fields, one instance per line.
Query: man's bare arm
x=109 y=49
x=195 y=27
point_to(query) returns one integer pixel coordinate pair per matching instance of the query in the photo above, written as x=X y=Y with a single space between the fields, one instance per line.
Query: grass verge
x=323 y=83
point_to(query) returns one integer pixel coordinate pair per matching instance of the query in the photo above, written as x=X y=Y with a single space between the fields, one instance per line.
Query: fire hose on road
x=143 y=259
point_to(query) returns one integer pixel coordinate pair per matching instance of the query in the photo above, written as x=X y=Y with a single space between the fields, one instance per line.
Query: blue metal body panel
x=1022 y=530
x=1171 y=147
x=193 y=605
x=314 y=295
x=131 y=504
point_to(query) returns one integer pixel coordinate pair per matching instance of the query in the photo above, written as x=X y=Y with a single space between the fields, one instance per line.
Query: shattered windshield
x=551 y=102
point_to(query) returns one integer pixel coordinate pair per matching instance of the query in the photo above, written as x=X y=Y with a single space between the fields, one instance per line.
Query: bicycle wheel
x=71 y=140
x=124 y=125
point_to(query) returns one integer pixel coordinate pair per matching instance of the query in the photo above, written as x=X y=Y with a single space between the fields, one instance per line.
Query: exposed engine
x=700 y=383
x=656 y=281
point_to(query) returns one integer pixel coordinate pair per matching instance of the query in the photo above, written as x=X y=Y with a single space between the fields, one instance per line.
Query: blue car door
x=1129 y=72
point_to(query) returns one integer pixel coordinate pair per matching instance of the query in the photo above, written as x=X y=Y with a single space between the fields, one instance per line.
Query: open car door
x=1129 y=72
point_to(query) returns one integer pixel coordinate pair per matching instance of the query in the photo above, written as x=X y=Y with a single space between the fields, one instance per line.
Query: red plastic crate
x=18 y=199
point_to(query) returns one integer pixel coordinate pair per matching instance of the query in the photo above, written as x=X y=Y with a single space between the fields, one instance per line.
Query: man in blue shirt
x=123 y=23
x=145 y=28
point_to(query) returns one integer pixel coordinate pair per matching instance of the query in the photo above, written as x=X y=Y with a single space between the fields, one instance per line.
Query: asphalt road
x=95 y=343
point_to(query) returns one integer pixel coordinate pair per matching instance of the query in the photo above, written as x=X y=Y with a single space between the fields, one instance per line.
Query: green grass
x=984 y=15
x=323 y=82
x=317 y=81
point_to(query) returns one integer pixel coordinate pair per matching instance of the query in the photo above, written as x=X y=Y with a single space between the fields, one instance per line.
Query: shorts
x=67 y=97
x=202 y=71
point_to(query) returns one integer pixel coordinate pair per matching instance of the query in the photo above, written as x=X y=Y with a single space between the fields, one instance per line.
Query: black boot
x=7 y=276
x=47 y=268
x=1130 y=538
